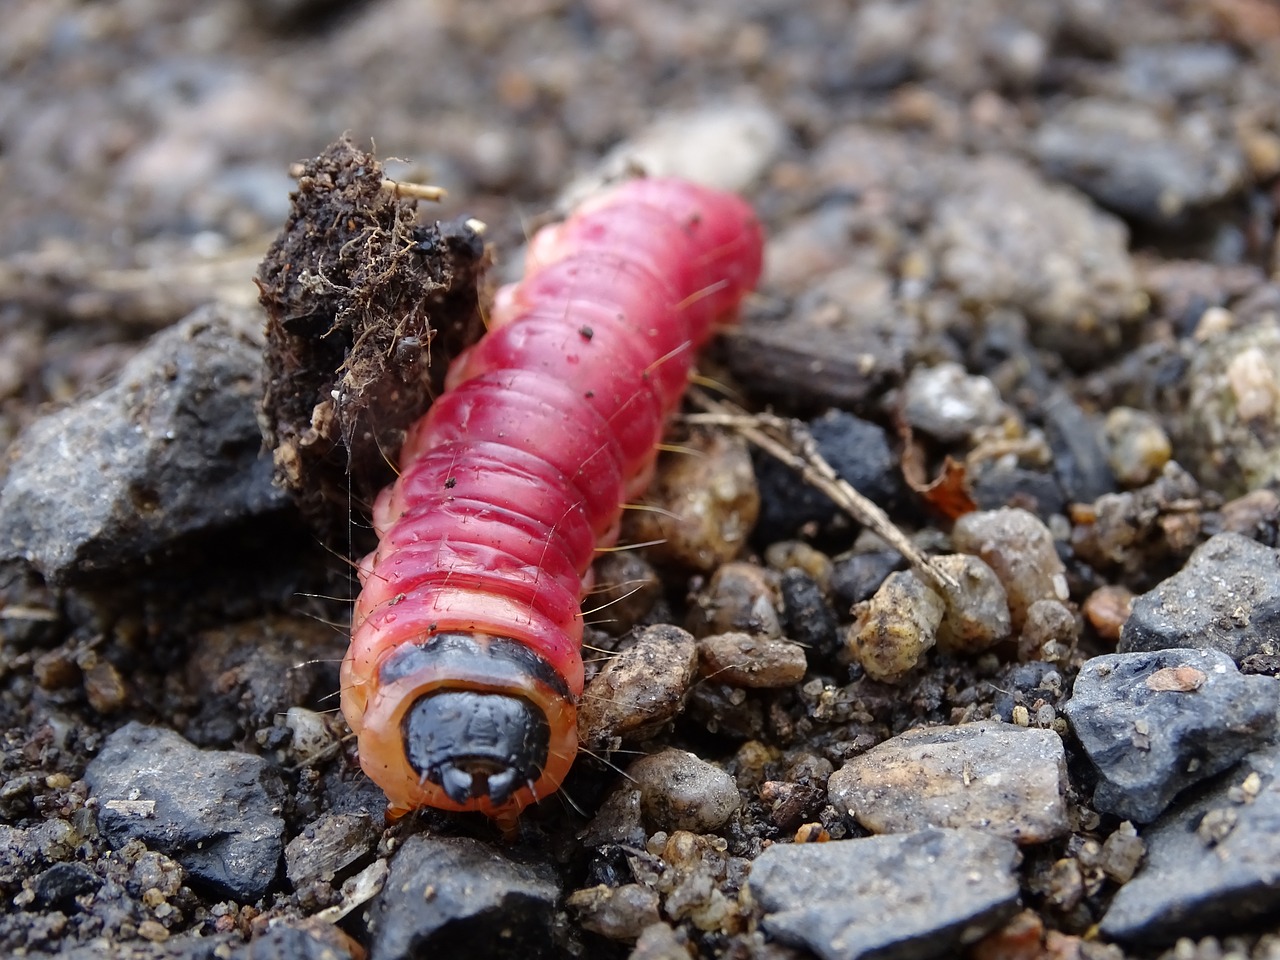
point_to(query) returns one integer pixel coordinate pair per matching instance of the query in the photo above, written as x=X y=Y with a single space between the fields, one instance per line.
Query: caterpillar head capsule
x=464 y=721
x=475 y=745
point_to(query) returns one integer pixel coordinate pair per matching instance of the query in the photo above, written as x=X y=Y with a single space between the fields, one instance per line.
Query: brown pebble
x=741 y=660
x=707 y=503
x=893 y=630
x=618 y=913
x=1021 y=551
x=1107 y=609
x=639 y=690
x=740 y=597
x=153 y=931
x=104 y=688
x=1253 y=515
x=56 y=670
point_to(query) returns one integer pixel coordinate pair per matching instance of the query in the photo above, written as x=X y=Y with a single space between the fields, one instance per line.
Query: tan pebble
x=893 y=630
x=706 y=504
x=741 y=660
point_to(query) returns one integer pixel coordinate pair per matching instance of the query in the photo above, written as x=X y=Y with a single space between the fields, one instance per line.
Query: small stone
x=1107 y=609
x=1122 y=853
x=1002 y=778
x=639 y=690
x=58 y=886
x=442 y=888
x=679 y=791
x=922 y=894
x=618 y=913
x=1049 y=634
x=660 y=941
x=153 y=931
x=741 y=597
x=627 y=587
x=1079 y=460
x=618 y=821
x=949 y=404
x=1137 y=159
x=1226 y=598
x=978 y=617
x=786 y=555
x=741 y=660
x=1192 y=884
x=893 y=630
x=215 y=812
x=1020 y=549
x=707 y=503
x=1154 y=723
x=1137 y=446
x=327 y=846
x=807 y=617
x=856 y=579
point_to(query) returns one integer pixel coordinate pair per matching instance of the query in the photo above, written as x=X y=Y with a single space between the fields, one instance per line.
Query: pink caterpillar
x=465 y=664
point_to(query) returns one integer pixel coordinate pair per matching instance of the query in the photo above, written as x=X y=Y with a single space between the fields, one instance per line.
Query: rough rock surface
x=1154 y=723
x=215 y=812
x=171 y=450
x=1213 y=862
x=919 y=894
x=679 y=791
x=998 y=777
x=456 y=896
x=1226 y=598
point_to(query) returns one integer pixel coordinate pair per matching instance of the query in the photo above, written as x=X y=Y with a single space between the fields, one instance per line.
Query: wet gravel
x=1036 y=238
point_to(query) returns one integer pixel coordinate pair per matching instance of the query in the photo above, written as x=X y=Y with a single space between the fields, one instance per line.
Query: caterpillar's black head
x=476 y=744
x=488 y=725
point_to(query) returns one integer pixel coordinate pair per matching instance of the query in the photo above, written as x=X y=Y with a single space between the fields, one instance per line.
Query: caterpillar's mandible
x=465 y=662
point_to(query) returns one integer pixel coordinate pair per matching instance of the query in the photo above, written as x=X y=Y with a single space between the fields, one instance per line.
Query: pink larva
x=465 y=662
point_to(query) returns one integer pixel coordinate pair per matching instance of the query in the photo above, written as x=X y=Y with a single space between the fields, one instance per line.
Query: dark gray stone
x=1226 y=598
x=1136 y=161
x=1155 y=723
x=58 y=886
x=911 y=895
x=171 y=450
x=215 y=812
x=453 y=897
x=329 y=846
x=1213 y=862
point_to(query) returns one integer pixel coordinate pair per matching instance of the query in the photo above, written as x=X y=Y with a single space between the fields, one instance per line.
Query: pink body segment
x=518 y=473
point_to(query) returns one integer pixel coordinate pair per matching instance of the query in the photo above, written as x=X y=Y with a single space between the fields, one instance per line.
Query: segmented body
x=514 y=479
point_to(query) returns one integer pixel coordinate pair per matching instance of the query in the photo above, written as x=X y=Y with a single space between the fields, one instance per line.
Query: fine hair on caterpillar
x=465 y=664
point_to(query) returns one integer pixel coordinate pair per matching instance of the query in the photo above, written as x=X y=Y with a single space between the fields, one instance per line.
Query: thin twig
x=791 y=443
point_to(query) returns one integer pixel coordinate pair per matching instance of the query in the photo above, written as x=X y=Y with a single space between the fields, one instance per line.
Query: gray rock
x=911 y=895
x=679 y=791
x=1154 y=723
x=998 y=777
x=1079 y=459
x=328 y=846
x=445 y=896
x=215 y=812
x=1226 y=598
x=949 y=404
x=171 y=450
x=1213 y=862
x=1133 y=160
